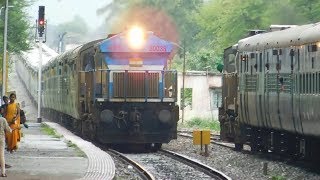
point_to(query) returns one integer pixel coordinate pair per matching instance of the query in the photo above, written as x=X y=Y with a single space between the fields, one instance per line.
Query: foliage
x=204 y=124
x=308 y=9
x=18 y=26
x=187 y=97
x=205 y=28
x=227 y=21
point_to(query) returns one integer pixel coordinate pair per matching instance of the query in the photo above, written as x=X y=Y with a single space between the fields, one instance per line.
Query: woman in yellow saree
x=12 y=117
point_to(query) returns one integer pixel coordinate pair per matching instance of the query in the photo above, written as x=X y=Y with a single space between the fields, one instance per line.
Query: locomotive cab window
x=88 y=62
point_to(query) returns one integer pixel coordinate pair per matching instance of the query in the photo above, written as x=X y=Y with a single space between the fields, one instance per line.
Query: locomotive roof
x=294 y=36
x=118 y=43
x=71 y=54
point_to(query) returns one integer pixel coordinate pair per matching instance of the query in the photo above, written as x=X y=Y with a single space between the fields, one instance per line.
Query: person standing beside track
x=4 y=128
x=13 y=119
x=3 y=108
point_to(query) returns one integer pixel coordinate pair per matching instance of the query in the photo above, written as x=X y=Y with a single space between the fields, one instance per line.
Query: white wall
x=200 y=82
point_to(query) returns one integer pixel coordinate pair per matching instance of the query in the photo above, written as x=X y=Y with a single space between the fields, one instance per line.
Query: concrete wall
x=202 y=84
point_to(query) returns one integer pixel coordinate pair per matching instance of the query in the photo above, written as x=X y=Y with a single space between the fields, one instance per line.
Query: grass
x=79 y=152
x=202 y=123
x=51 y=132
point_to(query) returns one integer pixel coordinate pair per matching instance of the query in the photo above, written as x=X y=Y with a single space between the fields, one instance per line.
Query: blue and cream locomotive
x=116 y=90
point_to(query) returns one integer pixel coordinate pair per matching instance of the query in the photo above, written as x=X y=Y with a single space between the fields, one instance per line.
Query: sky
x=59 y=11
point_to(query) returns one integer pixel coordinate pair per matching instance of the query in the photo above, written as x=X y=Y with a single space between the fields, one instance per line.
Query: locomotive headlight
x=106 y=116
x=164 y=116
x=136 y=37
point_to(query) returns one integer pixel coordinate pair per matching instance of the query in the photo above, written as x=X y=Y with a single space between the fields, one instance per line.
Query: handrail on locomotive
x=166 y=91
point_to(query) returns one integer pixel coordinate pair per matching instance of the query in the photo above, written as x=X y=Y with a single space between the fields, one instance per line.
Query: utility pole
x=40 y=38
x=182 y=99
x=61 y=36
x=183 y=77
x=4 y=64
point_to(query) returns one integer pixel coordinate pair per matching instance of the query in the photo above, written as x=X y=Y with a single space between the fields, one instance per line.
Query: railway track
x=167 y=164
x=213 y=173
x=144 y=173
x=214 y=139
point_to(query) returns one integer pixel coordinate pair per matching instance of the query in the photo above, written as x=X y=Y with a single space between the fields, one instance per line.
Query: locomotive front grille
x=135 y=85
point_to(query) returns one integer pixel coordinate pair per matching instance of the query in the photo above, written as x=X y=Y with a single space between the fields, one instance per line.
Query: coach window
x=291 y=58
x=247 y=63
x=256 y=60
x=267 y=64
x=88 y=62
x=300 y=83
x=307 y=83
x=278 y=65
x=314 y=83
x=302 y=56
x=260 y=63
x=241 y=61
x=311 y=83
x=318 y=83
x=298 y=56
x=303 y=83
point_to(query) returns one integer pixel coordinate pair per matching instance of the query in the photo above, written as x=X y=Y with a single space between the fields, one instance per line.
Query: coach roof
x=294 y=36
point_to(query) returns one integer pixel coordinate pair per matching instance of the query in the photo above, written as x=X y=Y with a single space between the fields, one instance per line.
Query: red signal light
x=41 y=22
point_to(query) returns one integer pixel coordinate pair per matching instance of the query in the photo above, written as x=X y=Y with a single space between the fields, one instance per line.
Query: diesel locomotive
x=117 y=90
x=271 y=92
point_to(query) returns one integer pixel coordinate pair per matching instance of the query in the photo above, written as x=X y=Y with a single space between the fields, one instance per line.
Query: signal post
x=40 y=38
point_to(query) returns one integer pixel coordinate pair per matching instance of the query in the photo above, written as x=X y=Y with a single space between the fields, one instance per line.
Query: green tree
x=18 y=26
x=206 y=28
x=310 y=9
x=224 y=22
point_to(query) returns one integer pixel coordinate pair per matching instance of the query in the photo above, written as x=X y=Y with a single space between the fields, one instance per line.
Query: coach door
x=86 y=91
x=86 y=82
x=89 y=90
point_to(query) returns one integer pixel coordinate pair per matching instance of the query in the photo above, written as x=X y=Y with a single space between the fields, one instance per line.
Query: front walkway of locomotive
x=120 y=93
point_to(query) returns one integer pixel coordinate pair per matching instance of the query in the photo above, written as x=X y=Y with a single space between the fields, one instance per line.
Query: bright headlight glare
x=136 y=37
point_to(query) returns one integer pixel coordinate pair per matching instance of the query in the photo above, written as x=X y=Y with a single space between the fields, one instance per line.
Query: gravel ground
x=163 y=167
x=239 y=165
x=125 y=171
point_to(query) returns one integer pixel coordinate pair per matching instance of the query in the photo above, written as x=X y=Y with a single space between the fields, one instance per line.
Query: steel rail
x=214 y=173
x=213 y=140
x=144 y=174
